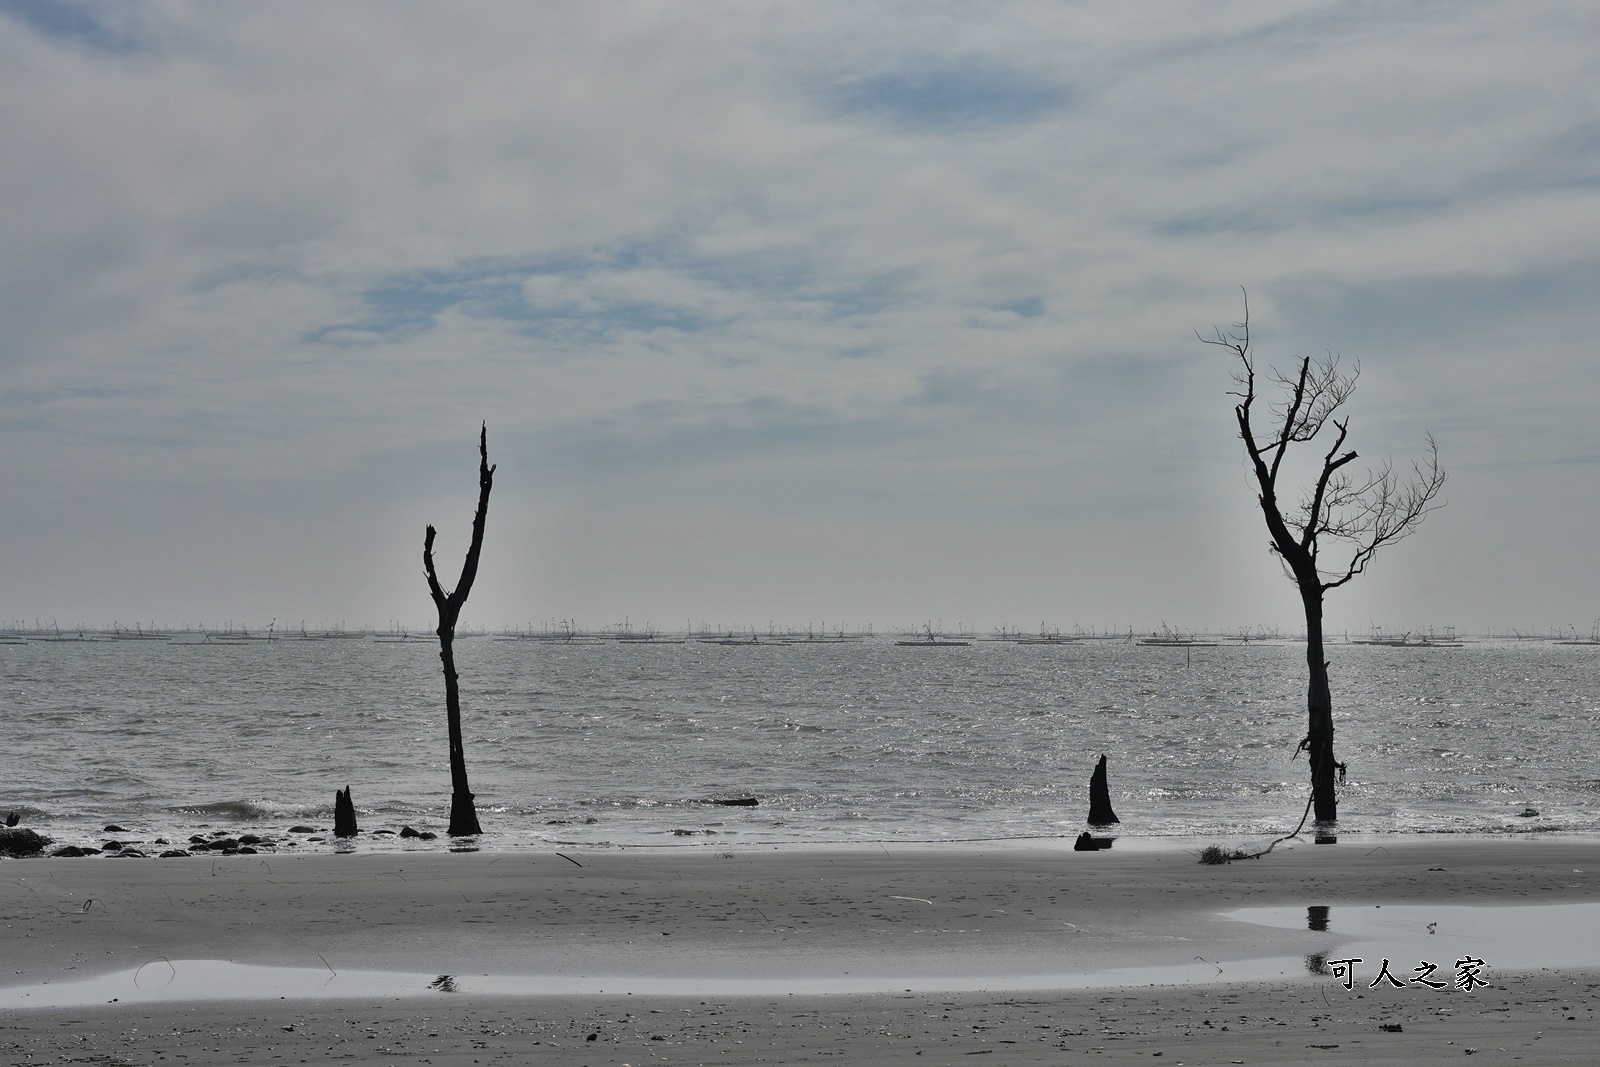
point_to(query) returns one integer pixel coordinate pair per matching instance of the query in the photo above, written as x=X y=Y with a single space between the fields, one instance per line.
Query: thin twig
x=147 y=963
x=1294 y=833
x=1214 y=854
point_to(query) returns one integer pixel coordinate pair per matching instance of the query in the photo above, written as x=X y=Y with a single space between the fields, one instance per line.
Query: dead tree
x=463 y=814
x=1339 y=523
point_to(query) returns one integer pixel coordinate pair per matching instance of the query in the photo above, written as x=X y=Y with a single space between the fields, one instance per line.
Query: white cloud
x=914 y=270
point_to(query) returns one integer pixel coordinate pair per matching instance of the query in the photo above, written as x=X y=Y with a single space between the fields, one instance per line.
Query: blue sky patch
x=945 y=99
x=68 y=22
x=1029 y=307
x=1328 y=212
x=407 y=305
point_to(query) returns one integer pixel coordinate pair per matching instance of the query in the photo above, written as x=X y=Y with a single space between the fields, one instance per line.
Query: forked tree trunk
x=463 y=812
x=1319 y=707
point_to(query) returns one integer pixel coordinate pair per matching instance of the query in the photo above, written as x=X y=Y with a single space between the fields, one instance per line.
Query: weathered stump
x=1085 y=843
x=19 y=841
x=1100 y=813
x=344 y=814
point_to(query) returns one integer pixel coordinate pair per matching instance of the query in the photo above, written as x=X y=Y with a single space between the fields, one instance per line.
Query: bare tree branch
x=1390 y=509
x=469 y=569
x=453 y=601
x=439 y=597
x=1361 y=515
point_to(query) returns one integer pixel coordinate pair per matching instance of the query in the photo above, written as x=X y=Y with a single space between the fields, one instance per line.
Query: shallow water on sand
x=190 y=980
x=631 y=742
x=1520 y=937
x=1496 y=940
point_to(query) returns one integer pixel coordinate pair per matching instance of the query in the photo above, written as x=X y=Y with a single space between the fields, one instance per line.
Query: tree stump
x=20 y=841
x=1100 y=813
x=344 y=814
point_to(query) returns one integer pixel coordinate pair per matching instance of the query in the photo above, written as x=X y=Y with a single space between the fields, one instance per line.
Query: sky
x=784 y=313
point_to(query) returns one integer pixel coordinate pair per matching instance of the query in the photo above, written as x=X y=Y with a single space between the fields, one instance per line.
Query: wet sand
x=685 y=928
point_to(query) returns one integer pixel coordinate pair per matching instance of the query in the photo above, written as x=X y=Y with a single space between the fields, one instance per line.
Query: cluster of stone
x=25 y=842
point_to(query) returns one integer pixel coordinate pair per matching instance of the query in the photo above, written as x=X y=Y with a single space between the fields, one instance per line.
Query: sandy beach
x=865 y=955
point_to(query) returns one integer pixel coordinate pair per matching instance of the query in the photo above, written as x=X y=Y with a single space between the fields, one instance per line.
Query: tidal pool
x=1505 y=938
x=1512 y=937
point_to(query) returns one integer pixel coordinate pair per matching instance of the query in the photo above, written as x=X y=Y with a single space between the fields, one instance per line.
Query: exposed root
x=1216 y=854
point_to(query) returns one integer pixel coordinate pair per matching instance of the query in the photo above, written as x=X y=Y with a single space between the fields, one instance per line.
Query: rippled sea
x=628 y=743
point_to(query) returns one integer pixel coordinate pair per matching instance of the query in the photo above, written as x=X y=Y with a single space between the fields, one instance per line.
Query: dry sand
x=948 y=923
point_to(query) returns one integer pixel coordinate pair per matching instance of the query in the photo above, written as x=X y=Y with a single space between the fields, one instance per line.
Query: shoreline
x=389 y=842
x=800 y=915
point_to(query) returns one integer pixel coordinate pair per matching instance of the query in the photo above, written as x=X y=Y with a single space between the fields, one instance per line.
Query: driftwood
x=1100 y=813
x=344 y=814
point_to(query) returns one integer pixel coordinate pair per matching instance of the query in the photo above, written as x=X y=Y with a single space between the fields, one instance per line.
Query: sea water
x=632 y=743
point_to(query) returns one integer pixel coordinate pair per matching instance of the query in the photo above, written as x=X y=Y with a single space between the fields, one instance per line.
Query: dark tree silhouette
x=1340 y=522
x=463 y=814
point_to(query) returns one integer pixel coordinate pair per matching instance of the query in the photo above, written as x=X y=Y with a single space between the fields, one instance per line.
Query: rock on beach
x=21 y=841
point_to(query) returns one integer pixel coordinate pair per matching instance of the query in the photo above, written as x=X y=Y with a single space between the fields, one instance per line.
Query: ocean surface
x=629 y=743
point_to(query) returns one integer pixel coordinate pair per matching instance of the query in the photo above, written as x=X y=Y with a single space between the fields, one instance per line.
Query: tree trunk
x=1319 y=705
x=463 y=813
